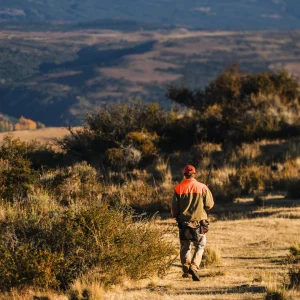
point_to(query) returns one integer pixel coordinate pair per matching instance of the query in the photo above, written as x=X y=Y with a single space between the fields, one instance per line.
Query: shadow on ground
x=241 y=289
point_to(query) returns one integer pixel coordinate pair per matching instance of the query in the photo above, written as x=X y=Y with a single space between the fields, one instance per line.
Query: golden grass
x=30 y=294
x=253 y=260
x=81 y=289
x=253 y=252
x=41 y=135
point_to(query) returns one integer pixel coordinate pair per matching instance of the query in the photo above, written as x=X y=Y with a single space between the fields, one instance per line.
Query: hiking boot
x=185 y=275
x=194 y=273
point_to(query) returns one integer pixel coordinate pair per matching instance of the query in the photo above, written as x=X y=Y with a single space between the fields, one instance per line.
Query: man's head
x=189 y=171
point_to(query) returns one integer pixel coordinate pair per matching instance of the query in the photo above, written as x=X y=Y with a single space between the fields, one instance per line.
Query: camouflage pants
x=187 y=259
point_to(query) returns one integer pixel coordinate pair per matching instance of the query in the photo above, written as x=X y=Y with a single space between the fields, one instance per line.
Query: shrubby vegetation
x=74 y=212
x=56 y=225
x=238 y=107
x=50 y=250
x=124 y=136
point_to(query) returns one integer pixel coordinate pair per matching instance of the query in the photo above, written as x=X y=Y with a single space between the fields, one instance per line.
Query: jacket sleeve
x=208 y=199
x=174 y=209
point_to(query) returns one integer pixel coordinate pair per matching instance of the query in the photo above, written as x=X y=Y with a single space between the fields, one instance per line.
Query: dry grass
x=41 y=135
x=253 y=251
x=253 y=261
x=82 y=289
x=253 y=242
x=30 y=294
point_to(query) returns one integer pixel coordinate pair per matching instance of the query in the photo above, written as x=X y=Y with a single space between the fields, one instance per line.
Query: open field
x=56 y=78
x=253 y=252
x=44 y=135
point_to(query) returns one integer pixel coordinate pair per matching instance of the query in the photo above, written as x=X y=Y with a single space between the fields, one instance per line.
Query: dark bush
x=237 y=107
x=107 y=134
x=16 y=176
x=123 y=136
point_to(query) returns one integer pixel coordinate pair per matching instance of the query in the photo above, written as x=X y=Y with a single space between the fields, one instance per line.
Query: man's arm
x=174 y=209
x=208 y=199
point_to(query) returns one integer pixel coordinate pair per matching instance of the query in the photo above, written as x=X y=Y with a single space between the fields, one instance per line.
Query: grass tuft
x=211 y=257
x=83 y=290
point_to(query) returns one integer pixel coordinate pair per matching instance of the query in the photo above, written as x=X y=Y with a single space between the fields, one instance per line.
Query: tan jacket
x=191 y=200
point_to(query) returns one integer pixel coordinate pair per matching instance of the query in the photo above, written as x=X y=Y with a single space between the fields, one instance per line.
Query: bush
x=225 y=186
x=109 y=133
x=263 y=105
x=19 y=161
x=253 y=178
x=17 y=177
x=74 y=184
x=124 y=136
x=140 y=196
x=51 y=251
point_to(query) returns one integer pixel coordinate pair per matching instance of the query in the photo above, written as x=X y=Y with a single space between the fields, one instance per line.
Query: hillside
x=57 y=77
x=229 y=15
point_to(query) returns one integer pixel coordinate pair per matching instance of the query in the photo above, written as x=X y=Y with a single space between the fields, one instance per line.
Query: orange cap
x=189 y=169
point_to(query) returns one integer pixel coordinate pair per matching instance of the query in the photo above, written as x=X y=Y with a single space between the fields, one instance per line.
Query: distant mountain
x=201 y=14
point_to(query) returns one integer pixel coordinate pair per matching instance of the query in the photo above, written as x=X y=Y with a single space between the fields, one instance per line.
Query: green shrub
x=52 y=251
x=260 y=104
x=16 y=175
x=108 y=134
x=16 y=179
x=143 y=141
x=18 y=160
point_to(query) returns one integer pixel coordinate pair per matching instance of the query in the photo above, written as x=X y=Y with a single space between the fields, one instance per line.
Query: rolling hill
x=58 y=76
x=60 y=59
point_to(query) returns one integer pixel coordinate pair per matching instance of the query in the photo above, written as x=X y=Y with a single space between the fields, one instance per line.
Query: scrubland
x=89 y=218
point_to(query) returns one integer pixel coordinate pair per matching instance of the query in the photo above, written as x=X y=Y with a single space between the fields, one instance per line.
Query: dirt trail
x=253 y=257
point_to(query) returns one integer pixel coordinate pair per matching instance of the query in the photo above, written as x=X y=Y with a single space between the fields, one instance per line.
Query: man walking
x=190 y=201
